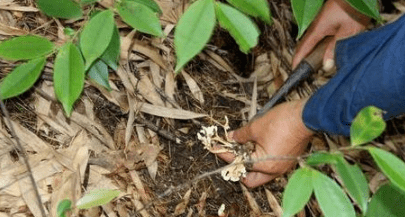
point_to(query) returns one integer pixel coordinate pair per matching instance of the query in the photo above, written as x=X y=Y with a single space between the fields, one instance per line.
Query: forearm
x=371 y=71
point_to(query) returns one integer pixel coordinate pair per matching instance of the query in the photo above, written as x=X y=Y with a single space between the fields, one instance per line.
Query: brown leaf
x=95 y=128
x=30 y=197
x=273 y=203
x=194 y=88
x=150 y=52
x=168 y=112
x=139 y=186
x=67 y=187
x=146 y=88
x=181 y=207
x=201 y=204
x=251 y=201
x=11 y=31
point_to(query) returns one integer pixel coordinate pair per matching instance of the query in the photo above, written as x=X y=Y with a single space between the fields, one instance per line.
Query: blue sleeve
x=370 y=71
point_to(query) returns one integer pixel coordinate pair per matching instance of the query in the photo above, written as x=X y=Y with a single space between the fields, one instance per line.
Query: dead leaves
x=168 y=112
x=60 y=150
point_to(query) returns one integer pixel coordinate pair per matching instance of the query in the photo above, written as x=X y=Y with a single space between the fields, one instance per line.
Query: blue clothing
x=370 y=71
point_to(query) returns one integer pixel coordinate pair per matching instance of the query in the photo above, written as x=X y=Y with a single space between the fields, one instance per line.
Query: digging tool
x=305 y=68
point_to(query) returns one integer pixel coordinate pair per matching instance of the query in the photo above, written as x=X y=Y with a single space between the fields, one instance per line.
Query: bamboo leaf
x=96 y=36
x=68 y=76
x=367 y=125
x=331 y=198
x=193 y=31
x=354 y=181
x=367 y=7
x=99 y=73
x=391 y=166
x=322 y=158
x=241 y=27
x=305 y=12
x=25 y=47
x=21 y=78
x=150 y=4
x=297 y=192
x=97 y=198
x=255 y=8
x=112 y=52
x=140 y=17
x=66 y=9
x=68 y=31
x=387 y=201
x=88 y=1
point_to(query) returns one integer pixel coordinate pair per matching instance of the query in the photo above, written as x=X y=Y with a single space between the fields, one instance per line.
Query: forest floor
x=141 y=137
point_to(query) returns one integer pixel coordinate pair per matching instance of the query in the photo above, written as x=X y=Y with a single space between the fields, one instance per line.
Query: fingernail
x=328 y=65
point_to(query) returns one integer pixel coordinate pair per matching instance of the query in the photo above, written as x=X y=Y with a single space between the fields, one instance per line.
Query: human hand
x=278 y=133
x=337 y=19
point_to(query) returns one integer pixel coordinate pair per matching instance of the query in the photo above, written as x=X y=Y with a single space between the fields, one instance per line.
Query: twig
x=160 y=132
x=24 y=156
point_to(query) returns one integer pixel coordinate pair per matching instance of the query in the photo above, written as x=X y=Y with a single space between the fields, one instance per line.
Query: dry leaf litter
x=140 y=138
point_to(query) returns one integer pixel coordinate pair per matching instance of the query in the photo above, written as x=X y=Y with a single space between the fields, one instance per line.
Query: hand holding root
x=280 y=135
x=217 y=145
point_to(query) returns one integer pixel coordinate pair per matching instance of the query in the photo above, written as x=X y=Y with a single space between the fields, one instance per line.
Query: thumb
x=328 y=58
x=304 y=47
x=242 y=135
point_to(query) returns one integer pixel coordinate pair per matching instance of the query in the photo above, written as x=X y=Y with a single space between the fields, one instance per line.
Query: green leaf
x=366 y=7
x=354 y=181
x=68 y=76
x=25 y=47
x=331 y=198
x=63 y=206
x=297 y=192
x=97 y=198
x=88 y=1
x=99 y=73
x=241 y=27
x=68 y=31
x=140 y=17
x=387 y=201
x=193 y=31
x=322 y=158
x=367 y=125
x=255 y=8
x=66 y=9
x=150 y=4
x=391 y=166
x=305 y=12
x=21 y=78
x=96 y=36
x=112 y=53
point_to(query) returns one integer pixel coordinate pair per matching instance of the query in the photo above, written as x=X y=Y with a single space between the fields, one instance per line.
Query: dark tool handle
x=305 y=68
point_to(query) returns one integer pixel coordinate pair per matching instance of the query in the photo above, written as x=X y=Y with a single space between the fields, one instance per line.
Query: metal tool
x=305 y=68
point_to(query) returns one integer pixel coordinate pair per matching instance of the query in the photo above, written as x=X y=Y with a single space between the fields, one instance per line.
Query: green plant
x=333 y=199
x=197 y=24
x=89 y=51
x=99 y=44
x=94 y=198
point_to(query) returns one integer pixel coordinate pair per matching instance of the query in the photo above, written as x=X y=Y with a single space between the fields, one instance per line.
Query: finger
x=226 y=156
x=242 y=135
x=328 y=59
x=305 y=46
x=254 y=179
x=330 y=49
